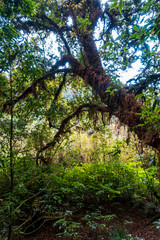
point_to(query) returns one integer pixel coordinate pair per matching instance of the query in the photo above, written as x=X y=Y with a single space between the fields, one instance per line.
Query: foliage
x=55 y=55
x=157 y=223
x=119 y=233
x=59 y=192
x=150 y=112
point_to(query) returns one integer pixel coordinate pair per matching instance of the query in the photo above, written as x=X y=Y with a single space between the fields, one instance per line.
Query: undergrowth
x=59 y=194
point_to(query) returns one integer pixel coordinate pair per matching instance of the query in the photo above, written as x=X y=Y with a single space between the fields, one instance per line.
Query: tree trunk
x=158 y=155
x=121 y=104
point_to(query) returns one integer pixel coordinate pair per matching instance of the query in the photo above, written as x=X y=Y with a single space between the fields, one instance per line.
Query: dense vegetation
x=62 y=102
x=72 y=191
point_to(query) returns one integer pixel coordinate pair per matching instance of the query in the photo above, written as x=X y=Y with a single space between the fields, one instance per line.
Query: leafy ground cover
x=63 y=171
x=98 y=200
x=130 y=223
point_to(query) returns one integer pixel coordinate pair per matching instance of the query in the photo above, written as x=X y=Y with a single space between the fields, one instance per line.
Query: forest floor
x=136 y=220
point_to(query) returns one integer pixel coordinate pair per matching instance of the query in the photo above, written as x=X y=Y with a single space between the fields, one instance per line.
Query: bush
x=47 y=193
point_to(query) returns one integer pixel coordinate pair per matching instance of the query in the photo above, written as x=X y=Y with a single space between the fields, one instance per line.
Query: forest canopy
x=48 y=46
x=61 y=68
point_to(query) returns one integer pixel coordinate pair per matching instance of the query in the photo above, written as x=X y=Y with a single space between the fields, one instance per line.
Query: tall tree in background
x=93 y=41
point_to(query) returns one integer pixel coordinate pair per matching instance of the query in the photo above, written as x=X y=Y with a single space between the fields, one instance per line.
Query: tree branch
x=50 y=25
x=57 y=95
x=121 y=104
x=57 y=29
x=66 y=121
x=142 y=84
x=31 y=88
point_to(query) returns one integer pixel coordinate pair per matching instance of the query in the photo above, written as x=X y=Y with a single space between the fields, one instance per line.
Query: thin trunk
x=11 y=135
x=158 y=155
x=11 y=150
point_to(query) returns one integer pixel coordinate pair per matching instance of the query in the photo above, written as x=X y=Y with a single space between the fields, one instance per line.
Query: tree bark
x=158 y=156
x=121 y=104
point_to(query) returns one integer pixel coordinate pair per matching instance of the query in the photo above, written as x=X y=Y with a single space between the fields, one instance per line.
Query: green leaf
x=134 y=35
x=139 y=96
x=108 y=89
x=140 y=125
x=121 y=36
x=110 y=37
x=108 y=44
x=120 y=6
x=143 y=107
x=114 y=5
x=136 y=28
x=112 y=92
x=108 y=54
x=154 y=105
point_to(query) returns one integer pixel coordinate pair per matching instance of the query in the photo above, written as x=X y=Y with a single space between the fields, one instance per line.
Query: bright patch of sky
x=52 y=41
x=135 y=67
x=131 y=72
x=126 y=75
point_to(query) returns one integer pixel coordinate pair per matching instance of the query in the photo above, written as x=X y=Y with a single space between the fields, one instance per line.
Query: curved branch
x=143 y=83
x=67 y=120
x=57 y=95
x=121 y=104
x=31 y=88
x=46 y=24
x=55 y=69
x=57 y=29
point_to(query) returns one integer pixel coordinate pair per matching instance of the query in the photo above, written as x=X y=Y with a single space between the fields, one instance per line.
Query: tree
x=94 y=41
